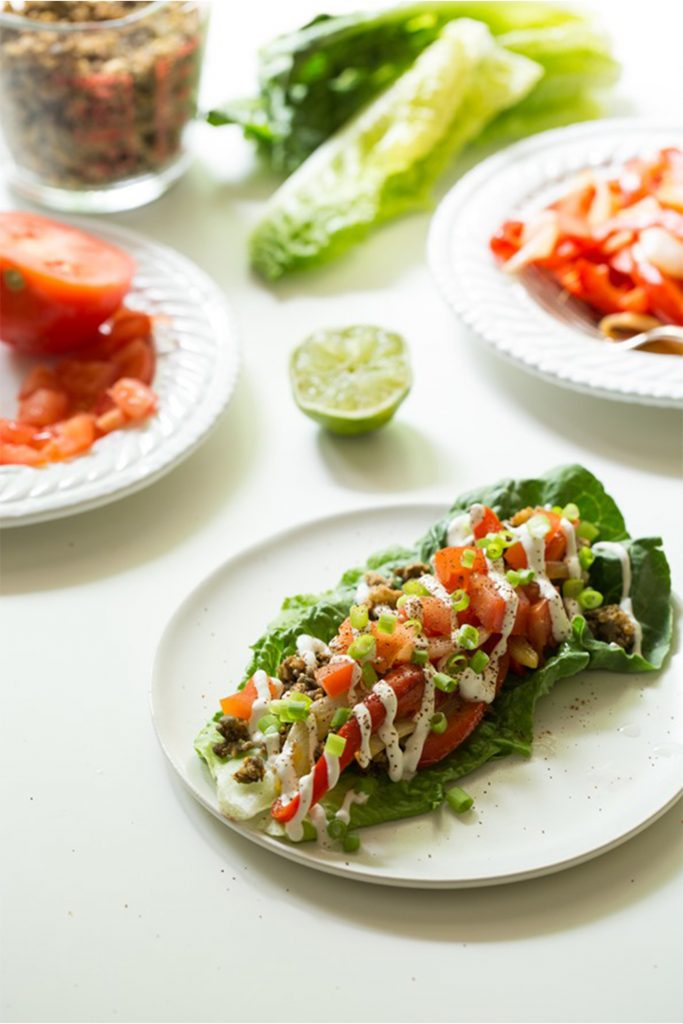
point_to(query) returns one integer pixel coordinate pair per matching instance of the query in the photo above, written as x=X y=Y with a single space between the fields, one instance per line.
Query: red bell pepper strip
x=407 y=682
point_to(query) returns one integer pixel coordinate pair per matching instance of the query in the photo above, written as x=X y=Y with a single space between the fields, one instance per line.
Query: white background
x=121 y=898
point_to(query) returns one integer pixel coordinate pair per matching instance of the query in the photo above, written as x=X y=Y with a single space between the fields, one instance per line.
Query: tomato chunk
x=436 y=617
x=449 y=567
x=43 y=407
x=134 y=399
x=487 y=602
x=335 y=679
x=239 y=704
x=57 y=283
x=489 y=523
x=540 y=625
x=392 y=647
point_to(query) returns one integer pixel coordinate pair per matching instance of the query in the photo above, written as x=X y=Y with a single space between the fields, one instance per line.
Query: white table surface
x=121 y=898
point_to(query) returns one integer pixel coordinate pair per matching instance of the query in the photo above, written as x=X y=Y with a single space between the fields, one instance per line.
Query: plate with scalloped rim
x=607 y=751
x=521 y=180
x=197 y=367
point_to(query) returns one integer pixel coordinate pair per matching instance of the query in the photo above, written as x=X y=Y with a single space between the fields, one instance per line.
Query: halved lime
x=351 y=379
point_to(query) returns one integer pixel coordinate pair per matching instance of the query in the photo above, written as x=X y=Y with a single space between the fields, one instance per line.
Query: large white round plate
x=523 y=179
x=607 y=760
x=196 y=373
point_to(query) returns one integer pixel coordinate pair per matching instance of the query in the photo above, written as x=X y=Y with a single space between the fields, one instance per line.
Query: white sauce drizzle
x=482 y=685
x=362 y=592
x=477 y=513
x=423 y=720
x=309 y=647
x=535 y=559
x=356 y=675
x=573 y=564
x=351 y=798
x=319 y=819
x=263 y=683
x=436 y=589
x=364 y=719
x=332 y=765
x=295 y=827
x=387 y=730
x=459 y=530
x=626 y=604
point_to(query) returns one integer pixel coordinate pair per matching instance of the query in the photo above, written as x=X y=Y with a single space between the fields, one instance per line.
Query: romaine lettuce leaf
x=386 y=160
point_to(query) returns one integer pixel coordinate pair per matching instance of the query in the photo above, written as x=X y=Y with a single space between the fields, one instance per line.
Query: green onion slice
x=459 y=800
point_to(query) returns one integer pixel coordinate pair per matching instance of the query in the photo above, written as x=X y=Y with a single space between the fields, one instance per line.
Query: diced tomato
x=487 y=602
x=507 y=240
x=601 y=292
x=57 y=283
x=392 y=648
x=522 y=617
x=39 y=377
x=335 y=679
x=16 y=433
x=44 y=407
x=436 y=617
x=665 y=295
x=112 y=419
x=489 y=523
x=555 y=542
x=450 y=570
x=239 y=704
x=85 y=379
x=135 y=359
x=539 y=625
x=71 y=437
x=19 y=455
x=134 y=399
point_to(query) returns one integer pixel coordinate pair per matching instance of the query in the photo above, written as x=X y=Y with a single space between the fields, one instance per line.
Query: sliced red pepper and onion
x=616 y=244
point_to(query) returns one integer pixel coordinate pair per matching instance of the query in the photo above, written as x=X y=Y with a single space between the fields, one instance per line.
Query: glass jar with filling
x=97 y=97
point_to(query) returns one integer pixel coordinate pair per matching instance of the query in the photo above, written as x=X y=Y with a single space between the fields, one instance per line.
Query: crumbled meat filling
x=296 y=677
x=252 y=769
x=382 y=594
x=612 y=625
x=413 y=571
x=236 y=739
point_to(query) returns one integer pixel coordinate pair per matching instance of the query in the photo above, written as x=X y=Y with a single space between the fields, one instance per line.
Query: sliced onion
x=538 y=241
x=663 y=250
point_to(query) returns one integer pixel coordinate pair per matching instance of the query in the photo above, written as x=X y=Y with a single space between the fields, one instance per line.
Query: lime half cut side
x=352 y=379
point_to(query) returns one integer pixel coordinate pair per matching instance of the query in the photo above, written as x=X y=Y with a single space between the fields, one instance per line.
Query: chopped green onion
x=444 y=683
x=572 y=589
x=289 y=710
x=368 y=675
x=557 y=509
x=334 y=745
x=507 y=538
x=538 y=526
x=438 y=723
x=336 y=829
x=402 y=601
x=513 y=578
x=459 y=800
x=351 y=843
x=587 y=531
x=386 y=623
x=467 y=558
x=456 y=663
x=571 y=511
x=301 y=698
x=359 y=616
x=340 y=717
x=468 y=637
x=416 y=624
x=415 y=588
x=479 y=661
x=419 y=656
x=482 y=542
x=460 y=600
x=495 y=549
x=268 y=724
x=590 y=598
x=363 y=648
x=526 y=576
x=586 y=557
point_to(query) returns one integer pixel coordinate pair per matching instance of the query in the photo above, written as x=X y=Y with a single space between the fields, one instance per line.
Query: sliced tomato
x=239 y=704
x=539 y=625
x=489 y=523
x=449 y=567
x=57 y=283
x=436 y=617
x=44 y=407
x=335 y=679
x=487 y=602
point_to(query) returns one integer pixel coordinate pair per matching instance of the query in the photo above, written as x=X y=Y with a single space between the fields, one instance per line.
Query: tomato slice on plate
x=57 y=284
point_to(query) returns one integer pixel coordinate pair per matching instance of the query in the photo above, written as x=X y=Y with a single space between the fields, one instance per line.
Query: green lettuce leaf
x=508 y=726
x=386 y=160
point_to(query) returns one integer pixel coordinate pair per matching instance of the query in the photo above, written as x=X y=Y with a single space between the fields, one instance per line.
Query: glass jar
x=97 y=97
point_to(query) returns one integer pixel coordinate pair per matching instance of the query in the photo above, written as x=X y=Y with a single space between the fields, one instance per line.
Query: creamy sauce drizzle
x=535 y=559
x=333 y=770
x=482 y=685
x=423 y=719
x=263 y=683
x=626 y=604
x=387 y=730
x=459 y=530
x=351 y=798
x=309 y=647
x=364 y=719
x=573 y=564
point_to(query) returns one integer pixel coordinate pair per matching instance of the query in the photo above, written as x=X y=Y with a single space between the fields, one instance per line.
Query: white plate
x=607 y=758
x=196 y=373
x=522 y=179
